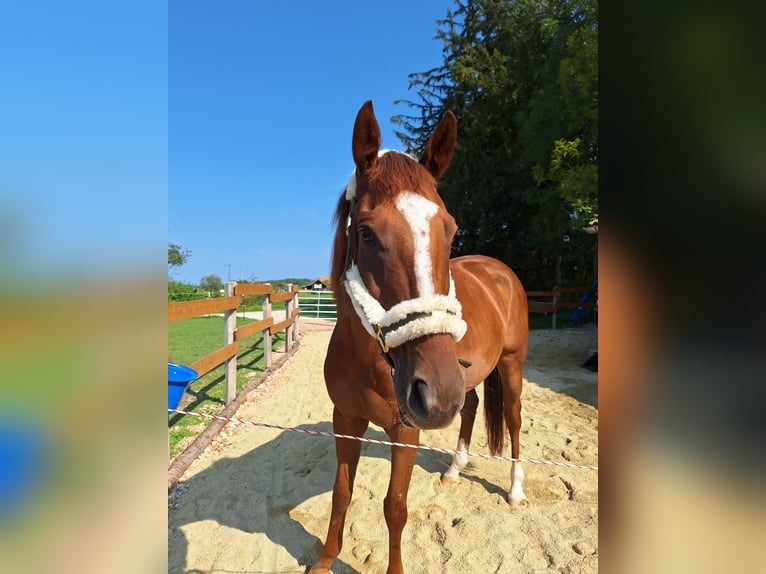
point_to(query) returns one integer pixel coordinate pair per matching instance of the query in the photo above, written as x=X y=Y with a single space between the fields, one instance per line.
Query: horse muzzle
x=421 y=409
x=428 y=382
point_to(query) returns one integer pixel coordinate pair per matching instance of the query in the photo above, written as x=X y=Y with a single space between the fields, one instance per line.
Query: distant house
x=319 y=284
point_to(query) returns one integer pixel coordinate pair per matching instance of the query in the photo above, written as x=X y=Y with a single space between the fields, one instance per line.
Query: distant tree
x=178 y=291
x=177 y=255
x=211 y=283
x=281 y=284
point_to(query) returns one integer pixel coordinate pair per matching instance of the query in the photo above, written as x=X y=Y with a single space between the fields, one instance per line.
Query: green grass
x=251 y=304
x=190 y=340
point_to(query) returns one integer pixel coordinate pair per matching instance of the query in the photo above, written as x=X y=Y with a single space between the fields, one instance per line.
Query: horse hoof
x=449 y=481
x=518 y=502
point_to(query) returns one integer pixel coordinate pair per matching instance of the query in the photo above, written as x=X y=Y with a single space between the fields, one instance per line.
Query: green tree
x=521 y=76
x=178 y=291
x=211 y=283
x=177 y=255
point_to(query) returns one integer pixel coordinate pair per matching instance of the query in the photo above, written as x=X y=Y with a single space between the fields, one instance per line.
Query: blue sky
x=83 y=137
x=221 y=125
x=262 y=98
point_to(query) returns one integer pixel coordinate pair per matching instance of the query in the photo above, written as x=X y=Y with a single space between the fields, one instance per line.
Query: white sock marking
x=517 y=479
x=459 y=460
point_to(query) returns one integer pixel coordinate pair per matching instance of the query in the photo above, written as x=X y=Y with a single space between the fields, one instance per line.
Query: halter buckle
x=384 y=349
x=381 y=339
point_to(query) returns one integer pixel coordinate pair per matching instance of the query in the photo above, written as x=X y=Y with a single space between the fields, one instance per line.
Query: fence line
x=552 y=300
x=318 y=304
x=227 y=355
x=321 y=305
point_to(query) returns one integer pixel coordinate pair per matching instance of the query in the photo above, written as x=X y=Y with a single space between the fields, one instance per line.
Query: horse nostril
x=420 y=401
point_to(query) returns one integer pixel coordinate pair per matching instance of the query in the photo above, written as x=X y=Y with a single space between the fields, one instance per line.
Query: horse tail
x=494 y=417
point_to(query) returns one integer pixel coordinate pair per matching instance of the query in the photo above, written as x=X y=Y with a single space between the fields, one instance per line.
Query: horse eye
x=365 y=234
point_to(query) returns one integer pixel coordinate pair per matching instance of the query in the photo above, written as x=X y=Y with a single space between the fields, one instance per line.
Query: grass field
x=190 y=340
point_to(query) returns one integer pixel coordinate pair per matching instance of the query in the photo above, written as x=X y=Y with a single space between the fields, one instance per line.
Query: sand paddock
x=258 y=500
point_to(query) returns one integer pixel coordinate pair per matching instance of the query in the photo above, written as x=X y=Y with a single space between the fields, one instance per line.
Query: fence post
x=288 y=313
x=229 y=329
x=555 y=304
x=267 y=332
x=296 y=305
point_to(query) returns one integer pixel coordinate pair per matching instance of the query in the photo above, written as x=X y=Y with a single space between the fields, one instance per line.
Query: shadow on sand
x=255 y=493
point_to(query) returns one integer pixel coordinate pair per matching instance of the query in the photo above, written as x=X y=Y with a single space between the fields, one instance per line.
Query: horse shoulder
x=484 y=278
x=493 y=301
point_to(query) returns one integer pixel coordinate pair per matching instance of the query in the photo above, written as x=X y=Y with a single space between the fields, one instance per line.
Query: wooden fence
x=232 y=335
x=558 y=298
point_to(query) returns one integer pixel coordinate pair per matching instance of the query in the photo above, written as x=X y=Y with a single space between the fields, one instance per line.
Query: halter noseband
x=405 y=321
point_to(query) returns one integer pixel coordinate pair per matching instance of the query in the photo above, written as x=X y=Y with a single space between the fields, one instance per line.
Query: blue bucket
x=179 y=377
x=24 y=463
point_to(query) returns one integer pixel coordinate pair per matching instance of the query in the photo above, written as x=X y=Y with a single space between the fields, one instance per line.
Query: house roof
x=323 y=280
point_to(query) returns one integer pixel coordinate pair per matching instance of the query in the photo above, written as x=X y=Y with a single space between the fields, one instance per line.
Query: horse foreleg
x=460 y=459
x=347 y=452
x=510 y=367
x=395 y=504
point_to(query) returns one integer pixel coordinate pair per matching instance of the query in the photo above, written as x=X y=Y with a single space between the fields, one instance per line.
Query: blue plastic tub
x=179 y=377
x=24 y=463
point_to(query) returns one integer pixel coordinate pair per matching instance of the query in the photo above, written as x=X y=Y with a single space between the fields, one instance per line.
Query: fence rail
x=227 y=355
x=317 y=304
x=558 y=298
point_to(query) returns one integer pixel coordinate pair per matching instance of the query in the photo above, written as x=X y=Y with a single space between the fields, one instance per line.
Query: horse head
x=396 y=272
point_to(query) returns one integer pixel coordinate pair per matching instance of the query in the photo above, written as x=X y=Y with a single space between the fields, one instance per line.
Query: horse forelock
x=350 y=190
x=392 y=173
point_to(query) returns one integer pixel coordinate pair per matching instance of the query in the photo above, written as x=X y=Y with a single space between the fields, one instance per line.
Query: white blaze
x=418 y=211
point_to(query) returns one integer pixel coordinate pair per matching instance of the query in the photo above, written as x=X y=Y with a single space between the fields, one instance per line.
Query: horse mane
x=392 y=173
x=340 y=244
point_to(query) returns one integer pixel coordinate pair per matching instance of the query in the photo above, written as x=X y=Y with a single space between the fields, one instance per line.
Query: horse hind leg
x=460 y=458
x=510 y=369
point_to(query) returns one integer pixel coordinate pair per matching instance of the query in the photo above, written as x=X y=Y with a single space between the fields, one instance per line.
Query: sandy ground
x=258 y=500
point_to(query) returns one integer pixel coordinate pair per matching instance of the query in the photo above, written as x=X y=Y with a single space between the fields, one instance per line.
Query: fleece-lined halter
x=427 y=314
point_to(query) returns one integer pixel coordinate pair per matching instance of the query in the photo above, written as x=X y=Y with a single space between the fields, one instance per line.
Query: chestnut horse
x=410 y=322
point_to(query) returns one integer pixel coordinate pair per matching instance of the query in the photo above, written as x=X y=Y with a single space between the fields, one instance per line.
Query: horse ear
x=366 y=139
x=440 y=146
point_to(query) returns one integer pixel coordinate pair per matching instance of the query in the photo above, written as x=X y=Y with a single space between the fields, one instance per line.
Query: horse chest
x=368 y=392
